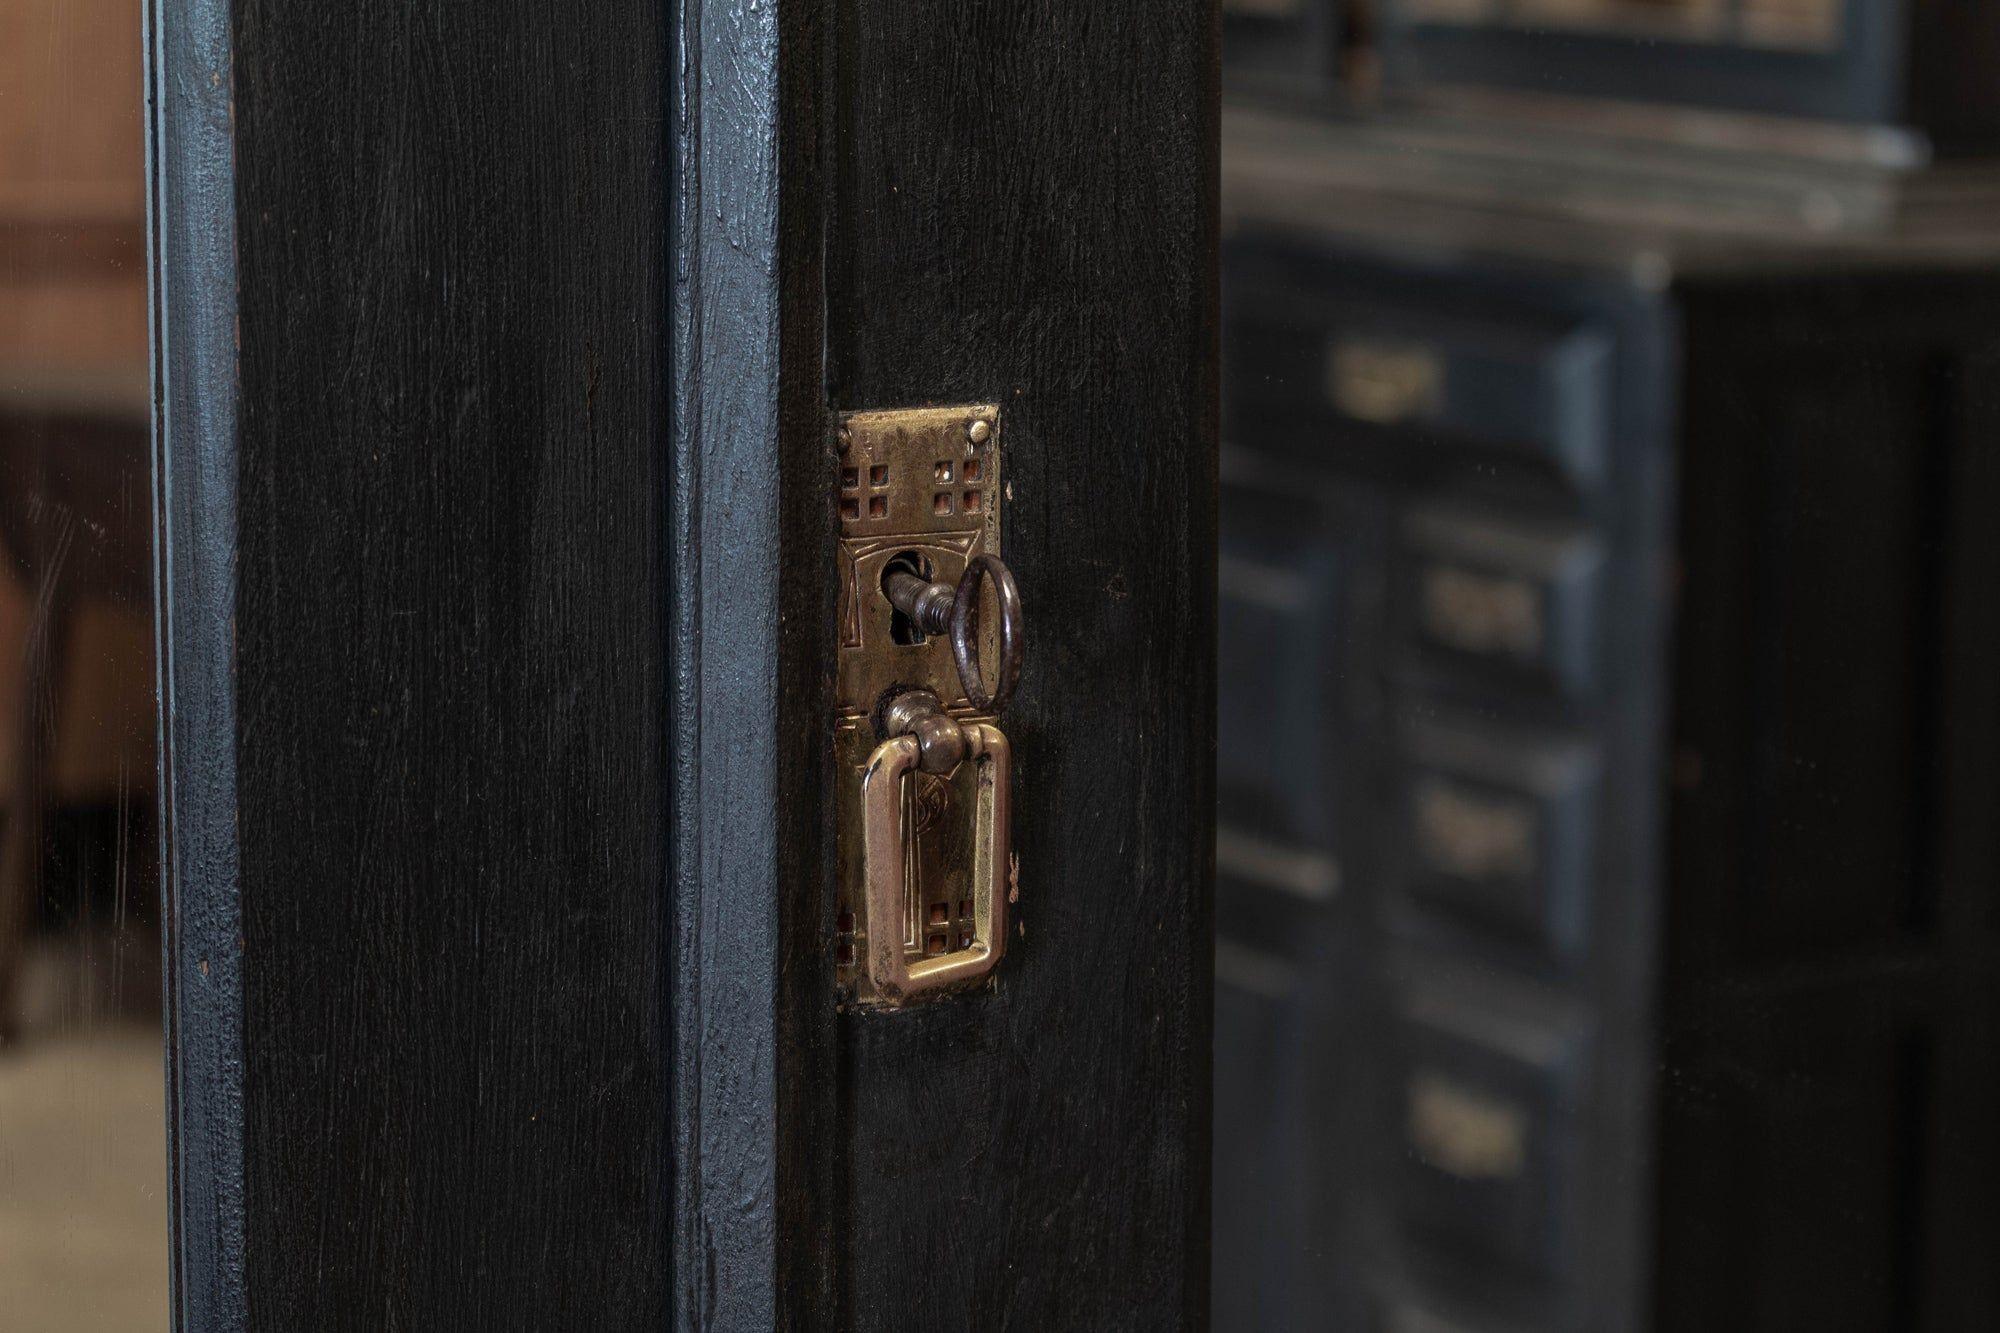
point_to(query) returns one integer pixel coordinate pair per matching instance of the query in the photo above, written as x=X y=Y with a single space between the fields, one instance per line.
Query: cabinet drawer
x=1538 y=388
x=1488 y=1110
x=1514 y=596
x=1500 y=831
x=1259 y=1151
x=1282 y=584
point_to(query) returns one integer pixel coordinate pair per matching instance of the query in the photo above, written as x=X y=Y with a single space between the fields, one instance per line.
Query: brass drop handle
x=920 y=737
x=939 y=608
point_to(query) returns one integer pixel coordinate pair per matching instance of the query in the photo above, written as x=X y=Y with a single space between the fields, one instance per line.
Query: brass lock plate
x=920 y=486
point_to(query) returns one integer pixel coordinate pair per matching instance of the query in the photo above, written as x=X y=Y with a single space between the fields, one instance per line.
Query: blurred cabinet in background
x=1606 y=935
x=1926 y=65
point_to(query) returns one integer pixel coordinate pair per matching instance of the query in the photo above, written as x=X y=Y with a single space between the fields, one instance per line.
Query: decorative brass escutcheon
x=928 y=616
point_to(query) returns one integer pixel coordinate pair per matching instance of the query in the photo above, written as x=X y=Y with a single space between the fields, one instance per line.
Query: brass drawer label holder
x=925 y=775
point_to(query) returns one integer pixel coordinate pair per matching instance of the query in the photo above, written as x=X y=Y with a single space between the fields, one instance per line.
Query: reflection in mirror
x=1612 y=398
x=83 y=1218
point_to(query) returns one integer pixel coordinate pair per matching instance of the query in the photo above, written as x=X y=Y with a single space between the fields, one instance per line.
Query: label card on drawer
x=1523 y=390
x=1384 y=382
x=1465 y=1132
x=1501 y=831
x=1473 y=835
x=1474 y=611
x=1490 y=1086
x=1513 y=593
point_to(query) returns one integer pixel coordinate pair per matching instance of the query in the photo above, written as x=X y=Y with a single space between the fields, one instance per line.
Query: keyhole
x=902 y=629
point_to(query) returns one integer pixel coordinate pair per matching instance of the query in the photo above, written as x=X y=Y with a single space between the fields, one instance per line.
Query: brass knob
x=918 y=714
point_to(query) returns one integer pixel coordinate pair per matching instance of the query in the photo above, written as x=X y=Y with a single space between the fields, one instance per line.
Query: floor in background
x=83 y=1176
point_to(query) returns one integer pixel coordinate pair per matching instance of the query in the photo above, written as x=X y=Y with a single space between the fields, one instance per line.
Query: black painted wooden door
x=495 y=347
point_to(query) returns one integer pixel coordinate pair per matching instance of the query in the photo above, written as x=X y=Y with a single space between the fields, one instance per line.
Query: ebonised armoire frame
x=495 y=349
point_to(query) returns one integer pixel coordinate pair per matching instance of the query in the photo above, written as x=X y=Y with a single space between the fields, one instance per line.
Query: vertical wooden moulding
x=190 y=198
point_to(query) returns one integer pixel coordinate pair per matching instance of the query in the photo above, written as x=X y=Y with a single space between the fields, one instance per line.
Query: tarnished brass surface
x=946 y=839
x=924 y=857
x=915 y=483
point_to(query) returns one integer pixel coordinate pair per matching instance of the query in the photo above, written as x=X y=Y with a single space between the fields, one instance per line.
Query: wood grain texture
x=1024 y=204
x=449 y=662
x=517 y=724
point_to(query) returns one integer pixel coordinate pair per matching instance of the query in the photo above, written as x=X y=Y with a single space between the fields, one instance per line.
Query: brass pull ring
x=964 y=633
x=885 y=841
